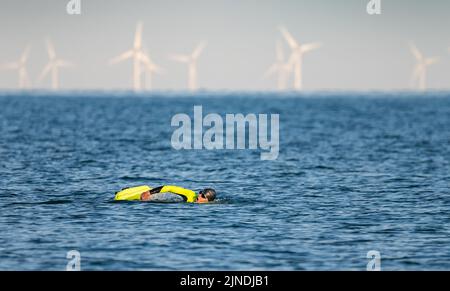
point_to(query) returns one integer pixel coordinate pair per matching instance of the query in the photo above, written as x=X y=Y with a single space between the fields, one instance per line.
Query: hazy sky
x=360 y=51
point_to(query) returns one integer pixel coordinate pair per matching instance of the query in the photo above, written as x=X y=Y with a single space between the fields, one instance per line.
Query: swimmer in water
x=144 y=193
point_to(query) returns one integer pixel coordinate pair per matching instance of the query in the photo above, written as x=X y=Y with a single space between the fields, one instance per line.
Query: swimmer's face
x=201 y=198
x=145 y=196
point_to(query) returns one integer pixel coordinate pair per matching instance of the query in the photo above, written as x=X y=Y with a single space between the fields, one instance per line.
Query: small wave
x=138 y=178
x=49 y=202
x=87 y=162
x=169 y=201
x=322 y=167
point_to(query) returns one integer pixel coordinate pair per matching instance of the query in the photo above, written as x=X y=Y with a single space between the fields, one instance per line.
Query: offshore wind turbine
x=296 y=58
x=420 y=70
x=280 y=67
x=150 y=68
x=136 y=53
x=191 y=61
x=53 y=66
x=20 y=66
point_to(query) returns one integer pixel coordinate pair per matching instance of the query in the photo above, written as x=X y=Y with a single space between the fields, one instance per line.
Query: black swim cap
x=209 y=194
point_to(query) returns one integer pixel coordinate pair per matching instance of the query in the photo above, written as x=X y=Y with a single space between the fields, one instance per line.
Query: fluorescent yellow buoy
x=133 y=193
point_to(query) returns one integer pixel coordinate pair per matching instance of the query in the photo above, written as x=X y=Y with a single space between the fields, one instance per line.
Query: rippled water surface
x=355 y=173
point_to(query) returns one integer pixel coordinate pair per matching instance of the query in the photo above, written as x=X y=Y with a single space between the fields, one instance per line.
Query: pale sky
x=360 y=51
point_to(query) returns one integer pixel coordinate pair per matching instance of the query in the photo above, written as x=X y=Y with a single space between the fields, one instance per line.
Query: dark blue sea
x=356 y=172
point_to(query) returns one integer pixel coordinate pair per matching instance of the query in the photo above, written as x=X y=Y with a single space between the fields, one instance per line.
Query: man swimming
x=145 y=193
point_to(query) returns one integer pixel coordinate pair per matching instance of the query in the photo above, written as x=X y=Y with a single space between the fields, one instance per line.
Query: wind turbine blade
x=272 y=70
x=310 y=47
x=288 y=37
x=279 y=52
x=431 y=61
x=418 y=69
x=198 y=50
x=45 y=71
x=50 y=49
x=149 y=64
x=156 y=69
x=63 y=63
x=143 y=57
x=26 y=78
x=180 y=58
x=292 y=60
x=25 y=54
x=122 y=57
x=138 y=36
x=417 y=54
x=10 y=66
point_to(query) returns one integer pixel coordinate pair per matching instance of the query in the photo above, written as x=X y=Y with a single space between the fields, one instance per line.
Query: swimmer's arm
x=189 y=195
x=156 y=190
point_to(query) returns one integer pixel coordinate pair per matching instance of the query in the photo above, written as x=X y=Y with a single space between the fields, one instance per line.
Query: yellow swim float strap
x=132 y=193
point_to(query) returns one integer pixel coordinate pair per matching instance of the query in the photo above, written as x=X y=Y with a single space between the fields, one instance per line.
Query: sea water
x=355 y=173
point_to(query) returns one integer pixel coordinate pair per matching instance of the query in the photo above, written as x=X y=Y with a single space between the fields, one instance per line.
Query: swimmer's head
x=206 y=195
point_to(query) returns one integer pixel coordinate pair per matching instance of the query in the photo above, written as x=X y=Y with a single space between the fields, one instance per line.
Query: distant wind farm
x=191 y=61
x=296 y=58
x=420 y=71
x=21 y=67
x=53 y=66
x=144 y=67
x=138 y=56
x=281 y=68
